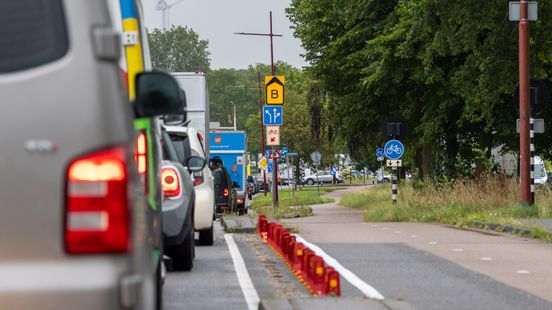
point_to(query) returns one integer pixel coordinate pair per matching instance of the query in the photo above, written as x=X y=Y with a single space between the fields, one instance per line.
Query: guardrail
x=311 y=270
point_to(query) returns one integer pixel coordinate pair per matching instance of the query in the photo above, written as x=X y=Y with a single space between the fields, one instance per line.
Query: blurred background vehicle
x=178 y=205
x=225 y=191
x=321 y=177
x=189 y=142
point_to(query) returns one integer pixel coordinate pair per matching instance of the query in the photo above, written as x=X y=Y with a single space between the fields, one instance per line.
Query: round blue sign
x=379 y=152
x=393 y=149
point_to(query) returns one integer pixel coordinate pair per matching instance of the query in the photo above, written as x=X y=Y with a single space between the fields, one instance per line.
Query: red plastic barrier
x=333 y=283
x=318 y=275
x=297 y=257
x=319 y=278
x=304 y=263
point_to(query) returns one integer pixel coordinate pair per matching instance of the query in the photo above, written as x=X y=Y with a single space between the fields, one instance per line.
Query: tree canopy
x=178 y=49
x=448 y=69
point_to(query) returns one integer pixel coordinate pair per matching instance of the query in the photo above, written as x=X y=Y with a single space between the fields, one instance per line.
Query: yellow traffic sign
x=275 y=89
x=262 y=163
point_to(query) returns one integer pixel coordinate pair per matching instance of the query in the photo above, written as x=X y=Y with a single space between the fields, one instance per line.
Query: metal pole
x=532 y=150
x=275 y=161
x=394 y=185
x=271 y=46
x=235 y=125
x=262 y=127
x=524 y=110
x=317 y=182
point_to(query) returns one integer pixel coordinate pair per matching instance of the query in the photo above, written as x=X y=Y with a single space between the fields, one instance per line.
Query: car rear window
x=32 y=33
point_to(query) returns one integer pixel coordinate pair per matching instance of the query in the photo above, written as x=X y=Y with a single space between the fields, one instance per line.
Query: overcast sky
x=217 y=20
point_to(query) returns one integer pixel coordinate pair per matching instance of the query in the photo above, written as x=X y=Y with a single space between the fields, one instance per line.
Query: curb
x=523 y=231
x=238 y=225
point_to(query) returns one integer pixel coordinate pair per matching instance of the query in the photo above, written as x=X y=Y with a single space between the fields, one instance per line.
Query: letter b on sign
x=275 y=89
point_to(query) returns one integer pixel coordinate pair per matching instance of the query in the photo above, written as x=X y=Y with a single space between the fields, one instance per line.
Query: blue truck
x=231 y=148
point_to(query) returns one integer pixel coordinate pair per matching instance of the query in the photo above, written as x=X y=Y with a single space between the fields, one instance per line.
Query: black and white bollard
x=394 y=185
x=532 y=153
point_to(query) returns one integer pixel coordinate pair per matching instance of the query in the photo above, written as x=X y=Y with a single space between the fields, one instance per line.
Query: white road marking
x=397 y=231
x=248 y=290
x=457 y=250
x=413 y=236
x=384 y=228
x=523 y=271
x=487 y=258
x=364 y=287
x=432 y=242
x=374 y=225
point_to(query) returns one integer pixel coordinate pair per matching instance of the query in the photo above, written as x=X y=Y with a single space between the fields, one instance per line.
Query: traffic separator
x=311 y=270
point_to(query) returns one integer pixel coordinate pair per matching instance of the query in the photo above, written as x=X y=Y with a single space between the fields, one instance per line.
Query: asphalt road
x=433 y=266
x=213 y=282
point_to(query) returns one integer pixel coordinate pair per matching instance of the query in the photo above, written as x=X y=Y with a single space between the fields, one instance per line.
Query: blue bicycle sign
x=393 y=149
x=379 y=152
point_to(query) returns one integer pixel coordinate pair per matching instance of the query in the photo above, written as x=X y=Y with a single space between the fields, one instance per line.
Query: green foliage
x=447 y=68
x=291 y=205
x=178 y=49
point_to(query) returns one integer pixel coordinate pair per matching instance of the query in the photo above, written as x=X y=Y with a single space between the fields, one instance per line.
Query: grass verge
x=291 y=204
x=491 y=199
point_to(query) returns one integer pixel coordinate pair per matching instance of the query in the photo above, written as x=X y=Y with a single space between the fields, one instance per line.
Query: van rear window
x=32 y=33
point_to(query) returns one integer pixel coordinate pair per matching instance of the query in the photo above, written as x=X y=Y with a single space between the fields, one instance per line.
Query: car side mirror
x=157 y=93
x=195 y=163
x=235 y=185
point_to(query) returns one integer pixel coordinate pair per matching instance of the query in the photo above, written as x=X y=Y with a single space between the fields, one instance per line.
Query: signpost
x=272 y=135
x=273 y=119
x=275 y=89
x=394 y=150
x=316 y=157
x=273 y=115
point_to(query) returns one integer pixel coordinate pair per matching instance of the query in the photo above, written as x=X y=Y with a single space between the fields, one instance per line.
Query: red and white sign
x=272 y=135
x=275 y=154
x=218 y=139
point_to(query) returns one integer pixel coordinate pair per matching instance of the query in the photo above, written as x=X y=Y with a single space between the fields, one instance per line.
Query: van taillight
x=141 y=157
x=226 y=192
x=97 y=215
x=170 y=182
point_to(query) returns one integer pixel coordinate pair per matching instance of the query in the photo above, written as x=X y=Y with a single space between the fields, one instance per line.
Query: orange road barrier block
x=309 y=268
x=318 y=276
x=333 y=283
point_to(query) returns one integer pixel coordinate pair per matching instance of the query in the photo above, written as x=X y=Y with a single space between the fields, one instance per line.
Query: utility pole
x=524 y=109
x=275 y=161
x=262 y=129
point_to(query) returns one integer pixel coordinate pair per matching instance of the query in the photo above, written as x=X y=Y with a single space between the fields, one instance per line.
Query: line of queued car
x=95 y=189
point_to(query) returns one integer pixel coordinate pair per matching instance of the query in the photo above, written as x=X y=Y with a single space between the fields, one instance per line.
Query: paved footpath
x=433 y=266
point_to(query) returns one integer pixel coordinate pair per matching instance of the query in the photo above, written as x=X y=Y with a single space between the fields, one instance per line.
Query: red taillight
x=226 y=192
x=141 y=158
x=97 y=218
x=198 y=178
x=170 y=182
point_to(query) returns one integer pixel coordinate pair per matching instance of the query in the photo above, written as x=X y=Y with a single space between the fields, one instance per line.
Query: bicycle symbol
x=394 y=149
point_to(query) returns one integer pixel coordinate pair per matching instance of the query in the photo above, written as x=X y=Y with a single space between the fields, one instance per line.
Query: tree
x=178 y=50
x=447 y=68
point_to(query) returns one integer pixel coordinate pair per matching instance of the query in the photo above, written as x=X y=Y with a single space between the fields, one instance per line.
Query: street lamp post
x=163 y=6
x=273 y=70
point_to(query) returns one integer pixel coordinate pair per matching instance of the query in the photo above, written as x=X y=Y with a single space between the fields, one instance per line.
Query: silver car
x=73 y=225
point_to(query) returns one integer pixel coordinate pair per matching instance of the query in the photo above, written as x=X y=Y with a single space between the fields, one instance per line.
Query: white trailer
x=194 y=85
